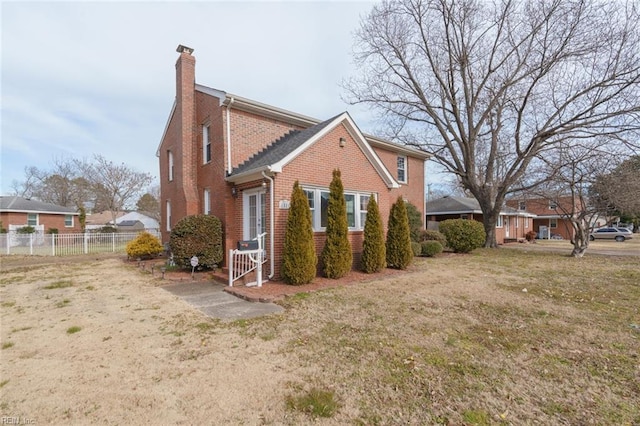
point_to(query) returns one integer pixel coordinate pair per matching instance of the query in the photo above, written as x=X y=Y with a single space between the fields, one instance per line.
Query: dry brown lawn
x=494 y=337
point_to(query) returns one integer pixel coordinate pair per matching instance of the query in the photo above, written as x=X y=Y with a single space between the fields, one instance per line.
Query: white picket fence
x=41 y=244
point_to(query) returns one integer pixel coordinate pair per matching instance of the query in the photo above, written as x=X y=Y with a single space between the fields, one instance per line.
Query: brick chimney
x=186 y=114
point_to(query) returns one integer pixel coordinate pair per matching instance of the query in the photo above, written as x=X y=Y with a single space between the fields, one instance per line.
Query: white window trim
x=168 y=214
x=406 y=172
x=553 y=223
x=206 y=201
x=316 y=212
x=37 y=219
x=206 y=141
x=499 y=223
x=65 y=221
x=170 y=164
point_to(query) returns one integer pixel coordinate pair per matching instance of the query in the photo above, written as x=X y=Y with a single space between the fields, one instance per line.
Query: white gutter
x=229 y=137
x=271 y=226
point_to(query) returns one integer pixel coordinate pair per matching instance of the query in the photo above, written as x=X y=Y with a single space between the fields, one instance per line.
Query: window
x=206 y=202
x=499 y=222
x=554 y=223
x=68 y=220
x=464 y=216
x=522 y=205
x=206 y=145
x=32 y=219
x=402 y=169
x=553 y=205
x=168 y=216
x=526 y=222
x=356 y=204
x=170 y=162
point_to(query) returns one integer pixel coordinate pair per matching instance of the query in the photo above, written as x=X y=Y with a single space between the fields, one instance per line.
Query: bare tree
x=115 y=185
x=619 y=191
x=488 y=87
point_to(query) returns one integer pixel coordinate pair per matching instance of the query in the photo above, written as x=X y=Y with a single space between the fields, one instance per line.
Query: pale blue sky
x=84 y=78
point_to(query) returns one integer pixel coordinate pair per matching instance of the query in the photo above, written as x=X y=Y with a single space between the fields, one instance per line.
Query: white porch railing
x=242 y=262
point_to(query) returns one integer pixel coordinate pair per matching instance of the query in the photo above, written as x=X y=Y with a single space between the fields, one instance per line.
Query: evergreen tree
x=336 y=254
x=399 y=252
x=299 y=259
x=373 y=247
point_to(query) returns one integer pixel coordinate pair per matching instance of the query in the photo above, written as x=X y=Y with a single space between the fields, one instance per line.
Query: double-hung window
x=356 y=206
x=170 y=164
x=499 y=223
x=206 y=145
x=402 y=169
x=32 y=219
x=206 y=202
x=68 y=220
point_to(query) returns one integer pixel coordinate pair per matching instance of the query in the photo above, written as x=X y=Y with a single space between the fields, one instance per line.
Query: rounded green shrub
x=373 y=248
x=416 y=248
x=144 y=246
x=200 y=236
x=463 y=235
x=336 y=254
x=399 y=253
x=430 y=248
x=431 y=235
x=299 y=259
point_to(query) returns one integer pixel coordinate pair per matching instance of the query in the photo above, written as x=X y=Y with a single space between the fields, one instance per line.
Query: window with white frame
x=168 y=227
x=499 y=223
x=522 y=205
x=553 y=223
x=356 y=206
x=32 y=219
x=170 y=163
x=68 y=220
x=206 y=202
x=553 y=205
x=402 y=169
x=206 y=145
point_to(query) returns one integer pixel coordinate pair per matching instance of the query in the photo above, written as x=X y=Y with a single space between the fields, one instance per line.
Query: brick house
x=18 y=212
x=551 y=216
x=237 y=159
x=512 y=224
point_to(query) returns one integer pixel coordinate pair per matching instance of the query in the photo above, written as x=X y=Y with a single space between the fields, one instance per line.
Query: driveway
x=210 y=298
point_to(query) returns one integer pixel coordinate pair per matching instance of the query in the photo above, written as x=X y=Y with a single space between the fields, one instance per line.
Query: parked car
x=611 y=233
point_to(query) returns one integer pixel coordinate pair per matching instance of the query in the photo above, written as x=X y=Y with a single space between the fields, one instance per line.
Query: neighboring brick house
x=552 y=217
x=512 y=224
x=18 y=212
x=238 y=159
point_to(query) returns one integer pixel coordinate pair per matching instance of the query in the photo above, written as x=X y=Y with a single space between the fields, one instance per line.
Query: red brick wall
x=48 y=220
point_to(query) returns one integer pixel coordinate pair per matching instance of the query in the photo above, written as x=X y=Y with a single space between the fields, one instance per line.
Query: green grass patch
x=63 y=303
x=7 y=345
x=7 y=304
x=74 y=329
x=58 y=284
x=4 y=382
x=316 y=403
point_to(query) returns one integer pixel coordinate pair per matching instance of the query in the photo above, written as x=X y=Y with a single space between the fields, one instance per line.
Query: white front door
x=253 y=221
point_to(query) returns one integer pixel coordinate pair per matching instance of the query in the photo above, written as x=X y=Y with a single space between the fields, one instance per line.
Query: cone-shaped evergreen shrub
x=336 y=254
x=373 y=249
x=299 y=259
x=399 y=252
x=144 y=246
x=415 y=222
x=200 y=236
x=463 y=235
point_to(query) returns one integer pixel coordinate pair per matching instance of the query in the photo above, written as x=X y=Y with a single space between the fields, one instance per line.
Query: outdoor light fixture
x=343 y=141
x=264 y=183
x=234 y=192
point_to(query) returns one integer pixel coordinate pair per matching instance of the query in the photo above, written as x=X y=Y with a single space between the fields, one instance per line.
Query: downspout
x=229 y=136
x=271 y=226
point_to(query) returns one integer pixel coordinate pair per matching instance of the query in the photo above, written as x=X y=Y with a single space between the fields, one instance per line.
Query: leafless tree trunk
x=488 y=87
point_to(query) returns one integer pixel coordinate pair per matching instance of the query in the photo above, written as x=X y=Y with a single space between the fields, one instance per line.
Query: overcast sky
x=84 y=78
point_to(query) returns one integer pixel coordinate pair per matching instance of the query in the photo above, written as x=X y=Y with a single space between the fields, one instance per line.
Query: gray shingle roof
x=453 y=205
x=25 y=205
x=280 y=148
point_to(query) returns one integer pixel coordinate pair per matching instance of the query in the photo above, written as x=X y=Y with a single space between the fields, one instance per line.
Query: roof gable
x=280 y=153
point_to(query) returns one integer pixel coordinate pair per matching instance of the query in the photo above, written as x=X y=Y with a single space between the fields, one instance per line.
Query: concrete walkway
x=211 y=299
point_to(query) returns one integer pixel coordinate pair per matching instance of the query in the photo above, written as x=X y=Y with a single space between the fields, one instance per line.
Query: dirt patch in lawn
x=498 y=336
